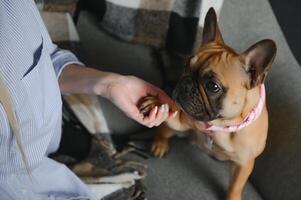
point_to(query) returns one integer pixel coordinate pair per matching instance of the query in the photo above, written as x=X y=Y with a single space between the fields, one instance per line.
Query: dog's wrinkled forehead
x=212 y=52
x=220 y=60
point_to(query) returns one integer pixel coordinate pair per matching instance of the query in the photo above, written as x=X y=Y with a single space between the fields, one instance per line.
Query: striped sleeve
x=61 y=58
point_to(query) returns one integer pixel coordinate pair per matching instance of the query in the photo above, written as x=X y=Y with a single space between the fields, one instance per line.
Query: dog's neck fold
x=251 y=117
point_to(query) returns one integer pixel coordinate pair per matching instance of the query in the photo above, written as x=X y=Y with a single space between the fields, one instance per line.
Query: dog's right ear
x=211 y=32
x=258 y=60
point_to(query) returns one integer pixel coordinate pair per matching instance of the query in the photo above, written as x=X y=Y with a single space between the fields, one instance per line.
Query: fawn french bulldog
x=221 y=97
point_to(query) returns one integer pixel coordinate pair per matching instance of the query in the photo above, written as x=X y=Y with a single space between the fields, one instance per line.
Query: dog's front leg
x=160 y=145
x=166 y=131
x=238 y=178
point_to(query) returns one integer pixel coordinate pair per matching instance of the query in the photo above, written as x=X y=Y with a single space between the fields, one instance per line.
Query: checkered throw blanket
x=57 y=5
x=171 y=24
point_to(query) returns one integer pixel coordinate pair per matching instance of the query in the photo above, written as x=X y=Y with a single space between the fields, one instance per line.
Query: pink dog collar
x=251 y=117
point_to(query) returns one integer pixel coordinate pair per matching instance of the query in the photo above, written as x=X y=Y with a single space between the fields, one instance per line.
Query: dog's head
x=216 y=80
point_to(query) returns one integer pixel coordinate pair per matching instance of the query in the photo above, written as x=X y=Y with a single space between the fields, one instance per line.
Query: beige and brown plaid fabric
x=58 y=5
x=173 y=24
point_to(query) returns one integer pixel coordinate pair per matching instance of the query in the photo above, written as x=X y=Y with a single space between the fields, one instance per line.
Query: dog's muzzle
x=186 y=94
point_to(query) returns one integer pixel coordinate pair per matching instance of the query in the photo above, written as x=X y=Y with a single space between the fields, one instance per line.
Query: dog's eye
x=212 y=86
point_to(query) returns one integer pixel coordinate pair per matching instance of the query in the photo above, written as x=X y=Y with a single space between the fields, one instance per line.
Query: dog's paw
x=160 y=148
x=147 y=104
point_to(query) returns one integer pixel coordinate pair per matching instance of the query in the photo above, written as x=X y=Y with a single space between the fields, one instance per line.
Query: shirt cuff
x=61 y=58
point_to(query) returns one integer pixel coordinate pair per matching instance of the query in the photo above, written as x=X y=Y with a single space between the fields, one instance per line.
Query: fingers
x=148 y=121
x=158 y=115
x=162 y=115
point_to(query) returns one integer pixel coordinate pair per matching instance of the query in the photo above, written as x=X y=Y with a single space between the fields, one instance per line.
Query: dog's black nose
x=184 y=89
x=187 y=85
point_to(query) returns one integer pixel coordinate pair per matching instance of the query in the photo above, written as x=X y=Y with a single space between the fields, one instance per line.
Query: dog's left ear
x=258 y=60
x=211 y=32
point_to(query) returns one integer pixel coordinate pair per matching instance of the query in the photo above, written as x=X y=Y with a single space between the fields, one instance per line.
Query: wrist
x=105 y=82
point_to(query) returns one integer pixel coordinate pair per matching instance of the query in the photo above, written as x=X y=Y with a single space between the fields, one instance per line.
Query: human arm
x=123 y=91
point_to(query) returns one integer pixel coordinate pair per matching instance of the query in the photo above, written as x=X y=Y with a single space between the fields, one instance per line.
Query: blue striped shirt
x=29 y=66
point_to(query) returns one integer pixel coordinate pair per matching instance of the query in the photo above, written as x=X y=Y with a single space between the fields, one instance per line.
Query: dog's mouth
x=195 y=115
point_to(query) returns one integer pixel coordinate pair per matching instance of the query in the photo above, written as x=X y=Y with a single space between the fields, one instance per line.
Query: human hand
x=125 y=92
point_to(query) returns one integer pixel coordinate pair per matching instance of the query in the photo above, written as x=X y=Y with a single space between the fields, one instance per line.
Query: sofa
x=187 y=173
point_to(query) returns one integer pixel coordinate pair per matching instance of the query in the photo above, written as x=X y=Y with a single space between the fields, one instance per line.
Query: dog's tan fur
x=240 y=147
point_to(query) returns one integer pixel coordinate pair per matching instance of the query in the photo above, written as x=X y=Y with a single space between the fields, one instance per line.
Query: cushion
x=189 y=173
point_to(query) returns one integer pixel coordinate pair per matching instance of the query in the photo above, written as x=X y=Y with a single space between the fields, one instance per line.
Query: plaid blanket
x=57 y=5
x=171 y=24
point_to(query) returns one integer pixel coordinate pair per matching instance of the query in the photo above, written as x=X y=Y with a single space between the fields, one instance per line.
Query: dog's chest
x=211 y=146
x=202 y=140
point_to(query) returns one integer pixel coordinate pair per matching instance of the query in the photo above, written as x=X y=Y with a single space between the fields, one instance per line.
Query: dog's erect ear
x=258 y=60
x=211 y=31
